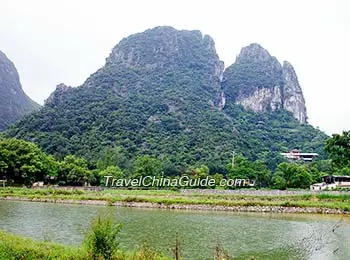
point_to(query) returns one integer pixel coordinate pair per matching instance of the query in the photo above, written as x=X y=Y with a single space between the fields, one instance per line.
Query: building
x=332 y=182
x=297 y=155
x=340 y=181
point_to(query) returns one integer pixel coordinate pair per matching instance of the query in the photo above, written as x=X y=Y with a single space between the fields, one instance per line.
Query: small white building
x=332 y=182
x=322 y=186
x=297 y=155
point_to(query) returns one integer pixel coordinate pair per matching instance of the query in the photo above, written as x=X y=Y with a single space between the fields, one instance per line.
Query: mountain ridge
x=14 y=103
x=165 y=93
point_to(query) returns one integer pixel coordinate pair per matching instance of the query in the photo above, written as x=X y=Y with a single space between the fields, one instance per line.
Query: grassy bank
x=14 y=247
x=339 y=202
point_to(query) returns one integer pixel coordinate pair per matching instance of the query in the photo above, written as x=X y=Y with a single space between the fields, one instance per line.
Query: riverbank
x=17 y=247
x=323 y=203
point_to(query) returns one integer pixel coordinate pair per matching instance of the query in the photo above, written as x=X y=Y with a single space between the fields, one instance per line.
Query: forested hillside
x=162 y=93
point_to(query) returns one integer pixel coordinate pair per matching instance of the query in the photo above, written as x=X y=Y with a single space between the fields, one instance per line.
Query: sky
x=52 y=42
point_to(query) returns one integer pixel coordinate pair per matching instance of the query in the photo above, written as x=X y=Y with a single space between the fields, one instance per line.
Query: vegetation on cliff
x=14 y=103
x=160 y=94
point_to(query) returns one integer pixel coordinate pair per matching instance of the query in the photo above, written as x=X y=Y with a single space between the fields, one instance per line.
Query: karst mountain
x=165 y=92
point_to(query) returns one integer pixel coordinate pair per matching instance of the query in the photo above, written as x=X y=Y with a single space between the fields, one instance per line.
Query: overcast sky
x=65 y=41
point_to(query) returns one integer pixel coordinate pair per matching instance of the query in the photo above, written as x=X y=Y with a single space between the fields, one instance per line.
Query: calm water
x=265 y=236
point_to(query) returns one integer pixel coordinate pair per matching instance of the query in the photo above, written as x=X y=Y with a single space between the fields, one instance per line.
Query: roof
x=313 y=154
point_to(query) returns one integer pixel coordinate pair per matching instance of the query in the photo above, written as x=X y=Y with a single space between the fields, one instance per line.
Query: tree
x=73 y=171
x=338 y=149
x=147 y=166
x=22 y=162
x=51 y=166
x=301 y=179
x=114 y=156
x=114 y=171
x=278 y=182
x=263 y=174
x=201 y=172
x=291 y=175
x=217 y=177
x=245 y=169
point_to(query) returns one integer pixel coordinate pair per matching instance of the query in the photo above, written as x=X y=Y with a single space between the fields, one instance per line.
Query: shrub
x=101 y=242
x=146 y=253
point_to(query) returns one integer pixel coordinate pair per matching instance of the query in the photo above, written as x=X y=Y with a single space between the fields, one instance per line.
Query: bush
x=101 y=242
x=146 y=253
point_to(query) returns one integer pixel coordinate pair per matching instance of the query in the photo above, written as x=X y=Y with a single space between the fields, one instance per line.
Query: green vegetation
x=14 y=247
x=338 y=148
x=102 y=242
x=162 y=102
x=168 y=198
x=156 y=113
x=23 y=163
x=73 y=171
x=292 y=175
x=250 y=72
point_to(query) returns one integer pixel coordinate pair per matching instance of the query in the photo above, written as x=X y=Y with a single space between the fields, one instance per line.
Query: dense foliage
x=23 y=163
x=338 y=149
x=157 y=95
x=250 y=72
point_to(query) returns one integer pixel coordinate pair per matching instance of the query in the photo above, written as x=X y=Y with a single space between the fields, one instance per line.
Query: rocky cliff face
x=166 y=53
x=58 y=94
x=262 y=99
x=258 y=82
x=163 y=93
x=166 y=48
x=293 y=99
x=14 y=103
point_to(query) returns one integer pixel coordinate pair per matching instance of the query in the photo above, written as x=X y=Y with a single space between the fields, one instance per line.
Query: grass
x=102 y=241
x=168 y=197
x=14 y=247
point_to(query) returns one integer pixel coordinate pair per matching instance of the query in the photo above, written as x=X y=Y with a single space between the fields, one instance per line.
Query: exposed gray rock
x=222 y=101
x=258 y=82
x=262 y=99
x=254 y=53
x=219 y=70
x=293 y=98
x=58 y=94
x=14 y=103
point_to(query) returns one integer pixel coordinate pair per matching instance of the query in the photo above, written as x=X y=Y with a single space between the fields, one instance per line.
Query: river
x=262 y=235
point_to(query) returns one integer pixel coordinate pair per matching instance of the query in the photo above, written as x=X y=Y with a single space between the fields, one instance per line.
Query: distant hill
x=14 y=103
x=164 y=92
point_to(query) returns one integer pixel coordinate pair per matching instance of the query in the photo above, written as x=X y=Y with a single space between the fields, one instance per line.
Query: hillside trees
x=245 y=169
x=73 y=171
x=292 y=175
x=338 y=149
x=22 y=162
